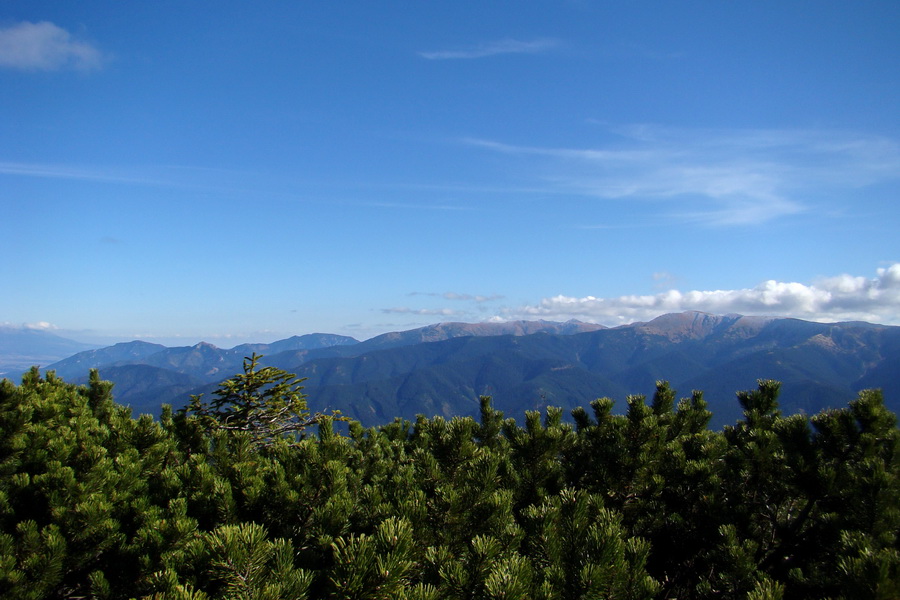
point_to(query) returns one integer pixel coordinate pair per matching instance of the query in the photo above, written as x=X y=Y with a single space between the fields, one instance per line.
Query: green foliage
x=251 y=497
x=580 y=550
x=374 y=567
x=239 y=561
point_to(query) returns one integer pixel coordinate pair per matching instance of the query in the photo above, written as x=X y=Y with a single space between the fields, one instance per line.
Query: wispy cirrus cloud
x=59 y=171
x=45 y=47
x=405 y=310
x=718 y=177
x=417 y=206
x=840 y=298
x=145 y=175
x=505 y=46
x=477 y=303
x=462 y=297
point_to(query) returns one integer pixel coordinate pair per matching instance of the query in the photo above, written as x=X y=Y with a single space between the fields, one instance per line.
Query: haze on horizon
x=237 y=173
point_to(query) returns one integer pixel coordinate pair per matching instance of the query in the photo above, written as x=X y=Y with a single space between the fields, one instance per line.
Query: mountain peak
x=694 y=324
x=204 y=346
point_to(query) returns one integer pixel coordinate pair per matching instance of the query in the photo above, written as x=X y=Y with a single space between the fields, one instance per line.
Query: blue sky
x=233 y=171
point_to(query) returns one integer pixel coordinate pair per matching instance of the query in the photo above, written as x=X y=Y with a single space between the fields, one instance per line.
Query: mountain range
x=443 y=369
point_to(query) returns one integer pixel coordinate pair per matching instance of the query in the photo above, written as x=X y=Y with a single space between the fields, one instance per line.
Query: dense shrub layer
x=649 y=504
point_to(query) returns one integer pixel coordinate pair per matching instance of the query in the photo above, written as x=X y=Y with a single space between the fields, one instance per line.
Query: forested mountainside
x=206 y=363
x=819 y=365
x=444 y=369
x=202 y=366
x=249 y=495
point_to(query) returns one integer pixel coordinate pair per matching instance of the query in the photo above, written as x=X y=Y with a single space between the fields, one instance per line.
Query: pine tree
x=265 y=403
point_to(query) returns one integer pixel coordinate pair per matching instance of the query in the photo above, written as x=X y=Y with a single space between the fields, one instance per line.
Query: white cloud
x=42 y=325
x=45 y=47
x=718 y=177
x=841 y=298
x=507 y=46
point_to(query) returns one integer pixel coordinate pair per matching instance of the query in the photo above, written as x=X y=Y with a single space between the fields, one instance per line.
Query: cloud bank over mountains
x=840 y=298
x=39 y=326
x=832 y=299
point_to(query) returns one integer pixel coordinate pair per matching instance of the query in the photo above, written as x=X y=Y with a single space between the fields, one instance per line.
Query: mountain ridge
x=444 y=368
